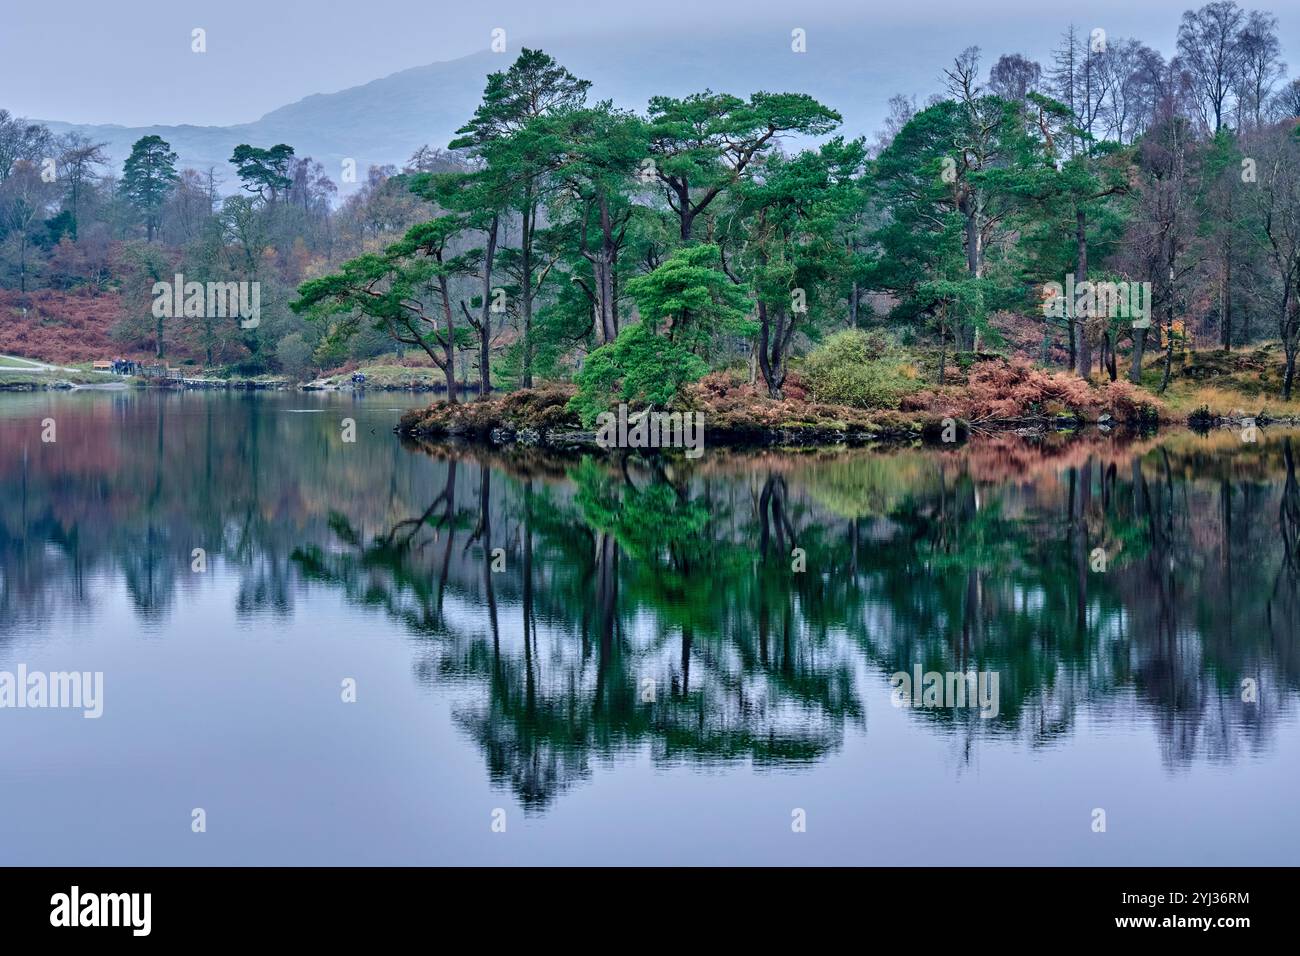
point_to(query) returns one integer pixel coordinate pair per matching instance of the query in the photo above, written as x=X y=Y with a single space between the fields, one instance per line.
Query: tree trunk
x=605 y=287
x=1139 y=345
x=943 y=345
x=1084 y=362
x=974 y=254
x=777 y=361
x=1225 y=297
x=1288 y=378
x=450 y=373
x=1288 y=325
x=1169 y=344
x=603 y=264
x=449 y=341
x=687 y=216
x=773 y=338
x=1072 y=334
x=485 y=326
x=526 y=268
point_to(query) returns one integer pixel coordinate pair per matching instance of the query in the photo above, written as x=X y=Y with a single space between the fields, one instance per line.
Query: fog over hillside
x=852 y=65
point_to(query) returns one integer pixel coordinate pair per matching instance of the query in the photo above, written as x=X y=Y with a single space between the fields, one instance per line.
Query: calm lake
x=640 y=662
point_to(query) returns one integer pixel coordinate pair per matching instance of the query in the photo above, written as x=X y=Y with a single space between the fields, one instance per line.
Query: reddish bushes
x=1004 y=390
x=61 y=327
x=733 y=406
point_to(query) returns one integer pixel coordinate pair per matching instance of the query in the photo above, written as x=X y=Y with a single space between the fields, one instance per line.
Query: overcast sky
x=130 y=62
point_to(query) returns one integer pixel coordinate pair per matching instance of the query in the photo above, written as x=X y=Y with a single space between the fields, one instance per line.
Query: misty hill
x=384 y=121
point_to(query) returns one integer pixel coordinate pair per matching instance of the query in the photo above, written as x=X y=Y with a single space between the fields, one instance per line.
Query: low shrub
x=861 y=369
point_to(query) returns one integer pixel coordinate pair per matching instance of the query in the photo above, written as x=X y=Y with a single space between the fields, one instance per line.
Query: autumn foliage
x=731 y=405
x=1009 y=390
x=62 y=327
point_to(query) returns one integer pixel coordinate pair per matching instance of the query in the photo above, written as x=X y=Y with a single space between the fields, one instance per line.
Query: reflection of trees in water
x=1282 y=608
x=625 y=571
x=137 y=481
x=1007 y=584
x=631 y=571
x=566 y=683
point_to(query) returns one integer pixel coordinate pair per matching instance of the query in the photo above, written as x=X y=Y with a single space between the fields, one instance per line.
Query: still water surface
x=517 y=678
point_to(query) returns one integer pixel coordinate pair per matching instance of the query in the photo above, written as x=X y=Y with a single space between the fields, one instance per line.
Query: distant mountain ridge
x=850 y=68
x=380 y=122
x=386 y=120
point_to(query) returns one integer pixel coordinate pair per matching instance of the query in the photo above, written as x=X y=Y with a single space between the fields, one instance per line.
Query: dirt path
x=30 y=365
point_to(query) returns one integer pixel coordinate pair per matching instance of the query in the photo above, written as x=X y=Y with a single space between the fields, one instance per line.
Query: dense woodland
x=557 y=238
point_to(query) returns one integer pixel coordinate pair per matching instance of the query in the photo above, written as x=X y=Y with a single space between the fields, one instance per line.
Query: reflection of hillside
x=620 y=576
x=136 y=482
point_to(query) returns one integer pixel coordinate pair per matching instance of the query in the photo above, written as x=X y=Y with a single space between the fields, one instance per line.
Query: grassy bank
x=385 y=376
x=1226 y=384
x=18 y=378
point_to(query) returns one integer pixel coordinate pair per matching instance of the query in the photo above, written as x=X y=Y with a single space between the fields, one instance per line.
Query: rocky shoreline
x=1203 y=420
x=541 y=419
x=918 y=431
x=58 y=386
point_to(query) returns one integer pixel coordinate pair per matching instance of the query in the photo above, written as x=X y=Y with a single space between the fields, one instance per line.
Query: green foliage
x=148 y=175
x=639 y=367
x=956 y=169
x=533 y=86
x=859 y=368
x=646 y=522
x=263 y=171
x=403 y=291
x=695 y=298
x=703 y=143
x=294 y=355
x=333 y=348
x=792 y=232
